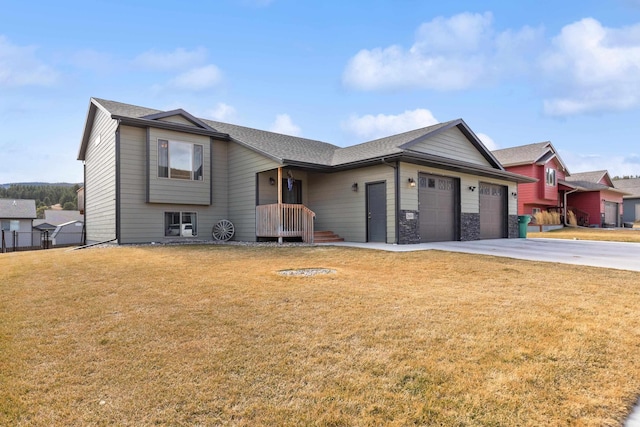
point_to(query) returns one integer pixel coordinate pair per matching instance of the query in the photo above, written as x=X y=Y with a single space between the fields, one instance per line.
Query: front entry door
x=292 y=194
x=377 y=212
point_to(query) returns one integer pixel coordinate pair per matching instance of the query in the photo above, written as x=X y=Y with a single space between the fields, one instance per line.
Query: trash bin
x=523 y=223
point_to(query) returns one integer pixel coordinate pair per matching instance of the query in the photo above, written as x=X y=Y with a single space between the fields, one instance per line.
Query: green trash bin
x=523 y=223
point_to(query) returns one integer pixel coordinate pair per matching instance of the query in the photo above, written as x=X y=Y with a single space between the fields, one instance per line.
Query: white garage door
x=437 y=198
x=492 y=211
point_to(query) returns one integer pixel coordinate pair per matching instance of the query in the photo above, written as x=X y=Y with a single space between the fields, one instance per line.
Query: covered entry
x=438 y=199
x=493 y=211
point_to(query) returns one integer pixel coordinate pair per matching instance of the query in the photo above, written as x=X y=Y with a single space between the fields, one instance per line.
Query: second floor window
x=551 y=177
x=180 y=160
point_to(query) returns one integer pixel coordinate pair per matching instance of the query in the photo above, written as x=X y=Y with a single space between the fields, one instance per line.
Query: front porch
x=284 y=220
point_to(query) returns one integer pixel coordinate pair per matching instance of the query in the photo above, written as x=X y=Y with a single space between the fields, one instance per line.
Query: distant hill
x=38 y=184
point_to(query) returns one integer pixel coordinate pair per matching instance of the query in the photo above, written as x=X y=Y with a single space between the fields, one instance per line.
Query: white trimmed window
x=550 y=177
x=180 y=160
x=180 y=224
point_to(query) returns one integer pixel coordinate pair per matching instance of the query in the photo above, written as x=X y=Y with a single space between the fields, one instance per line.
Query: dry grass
x=212 y=335
x=582 y=233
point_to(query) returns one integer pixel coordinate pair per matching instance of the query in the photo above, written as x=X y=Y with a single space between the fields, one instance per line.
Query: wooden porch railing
x=285 y=220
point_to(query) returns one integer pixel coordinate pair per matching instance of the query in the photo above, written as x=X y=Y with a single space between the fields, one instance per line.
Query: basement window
x=180 y=224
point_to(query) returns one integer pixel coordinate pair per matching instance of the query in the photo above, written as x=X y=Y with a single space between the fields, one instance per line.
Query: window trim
x=167 y=224
x=197 y=158
x=550 y=177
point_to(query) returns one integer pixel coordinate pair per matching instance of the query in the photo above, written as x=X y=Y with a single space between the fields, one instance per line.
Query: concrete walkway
x=621 y=256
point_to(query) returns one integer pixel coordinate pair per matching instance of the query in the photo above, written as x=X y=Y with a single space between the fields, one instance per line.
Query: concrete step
x=326 y=237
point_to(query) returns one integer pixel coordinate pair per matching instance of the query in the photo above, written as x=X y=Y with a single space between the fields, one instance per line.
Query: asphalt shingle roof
x=291 y=149
x=17 y=209
x=522 y=154
x=629 y=185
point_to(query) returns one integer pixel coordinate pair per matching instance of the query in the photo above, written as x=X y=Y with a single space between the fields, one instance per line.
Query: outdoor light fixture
x=412 y=182
x=272 y=181
x=472 y=188
x=354 y=187
x=514 y=194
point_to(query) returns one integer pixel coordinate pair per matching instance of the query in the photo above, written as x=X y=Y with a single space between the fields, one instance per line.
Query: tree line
x=45 y=195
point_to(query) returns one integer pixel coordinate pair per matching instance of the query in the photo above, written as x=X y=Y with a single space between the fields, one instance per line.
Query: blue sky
x=342 y=72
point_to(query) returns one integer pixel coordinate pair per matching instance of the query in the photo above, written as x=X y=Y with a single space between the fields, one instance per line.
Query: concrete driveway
x=622 y=256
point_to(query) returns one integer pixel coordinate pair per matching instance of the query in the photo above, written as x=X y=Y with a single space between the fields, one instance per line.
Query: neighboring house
x=157 y=176
x=16 y=222
x=58 y=224
x=540 y=161
x=595 y=196
x=68 y=233
x=630 y=201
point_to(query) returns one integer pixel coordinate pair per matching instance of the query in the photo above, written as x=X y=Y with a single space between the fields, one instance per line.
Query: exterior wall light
x=514 y=194
x=354 y=186
x=472 y=188
x=272 y=181
x=412 y=182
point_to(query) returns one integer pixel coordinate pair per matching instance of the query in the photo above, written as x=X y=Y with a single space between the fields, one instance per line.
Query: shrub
x=547 y=218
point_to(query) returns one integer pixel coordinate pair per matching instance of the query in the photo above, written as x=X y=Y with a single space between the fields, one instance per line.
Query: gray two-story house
x=158 y=176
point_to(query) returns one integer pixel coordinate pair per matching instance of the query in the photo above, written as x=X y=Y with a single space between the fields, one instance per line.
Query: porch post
x=279 y=204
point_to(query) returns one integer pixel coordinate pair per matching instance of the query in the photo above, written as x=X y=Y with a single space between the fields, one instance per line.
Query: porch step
x=326 y=237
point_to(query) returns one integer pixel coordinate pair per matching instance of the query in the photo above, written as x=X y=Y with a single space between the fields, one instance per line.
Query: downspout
x=396 y=168
x=566 y=209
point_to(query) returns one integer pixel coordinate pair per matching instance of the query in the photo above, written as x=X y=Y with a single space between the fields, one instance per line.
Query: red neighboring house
x=540 y=161
x=591 y=196
x=594 y=194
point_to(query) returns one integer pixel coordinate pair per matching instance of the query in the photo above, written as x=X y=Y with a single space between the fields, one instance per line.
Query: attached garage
x=438 y=198
x=493 y=211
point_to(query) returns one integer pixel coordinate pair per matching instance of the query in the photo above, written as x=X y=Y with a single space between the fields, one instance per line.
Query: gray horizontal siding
x=100 y=185
x=244 y=165
x=167 y=190
x=451 y=144
x=343 y=211
x=144 y=222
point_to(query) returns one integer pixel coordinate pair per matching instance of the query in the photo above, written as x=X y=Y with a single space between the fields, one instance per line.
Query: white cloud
x=487 y=141
x=616 y=165
x=592 y=68
x=196 y=79
x=222 y=112
x=283 y=124
x=19 y=66
x=176 y=60
x=372 y=127
x=448 y=54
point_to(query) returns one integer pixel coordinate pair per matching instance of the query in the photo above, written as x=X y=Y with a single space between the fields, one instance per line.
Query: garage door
x=437 y=196
x=611 y=213
x=493 y=223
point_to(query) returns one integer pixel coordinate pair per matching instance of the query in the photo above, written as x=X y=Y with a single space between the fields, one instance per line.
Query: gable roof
x=17 y=209
x=302 y=152
x=591 y=181
x=596 y=177
x=538 y=153
x=630 y=185
x=57 y=217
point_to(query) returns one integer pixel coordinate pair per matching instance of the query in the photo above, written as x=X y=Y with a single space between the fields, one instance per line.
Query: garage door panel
x=492 y=211
x=437 y=198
